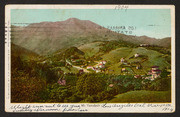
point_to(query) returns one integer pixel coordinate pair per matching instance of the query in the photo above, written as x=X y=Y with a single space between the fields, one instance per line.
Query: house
x=143 y=45
x=136 y=55
x=154 y=72
x=155 y=67
x=111 y=85
x=97 y=70
x=101 y=66
x=89 y=67
x=122 y=60
x=62 y=81
x=73 y=60
x=81 y=71
x=148 y=77
x=82 y=66
x=137 y=76
x=44 y=62
x=102 y=62
x=138 y=67
x=123 y=69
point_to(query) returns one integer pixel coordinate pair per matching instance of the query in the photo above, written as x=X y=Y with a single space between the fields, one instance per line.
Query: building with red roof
x=154 y=72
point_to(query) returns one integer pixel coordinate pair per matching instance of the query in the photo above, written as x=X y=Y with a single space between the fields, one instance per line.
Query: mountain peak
x=72 y=19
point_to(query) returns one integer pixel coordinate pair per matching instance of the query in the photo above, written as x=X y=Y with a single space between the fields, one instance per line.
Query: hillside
x=92 y=53
x=92 y=73
x=142 y=97
x=48 y=37
x=148 y=59
x=62 y=54
x=153 y=58
x=90 y=49
x=22 y=52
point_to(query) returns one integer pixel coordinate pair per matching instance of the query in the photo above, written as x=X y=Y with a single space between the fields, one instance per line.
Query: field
x=90 y=49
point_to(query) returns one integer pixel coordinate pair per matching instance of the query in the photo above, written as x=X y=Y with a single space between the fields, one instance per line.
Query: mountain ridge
x=48 y=37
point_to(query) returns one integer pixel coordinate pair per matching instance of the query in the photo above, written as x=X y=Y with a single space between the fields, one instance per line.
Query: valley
x=80 y=61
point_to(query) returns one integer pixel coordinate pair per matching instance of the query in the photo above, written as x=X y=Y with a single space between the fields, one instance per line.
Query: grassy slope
x=154 y=58
x=114 y=56
x=71 y=70
x=142 y=96
x=90 y=49
x=22 y=52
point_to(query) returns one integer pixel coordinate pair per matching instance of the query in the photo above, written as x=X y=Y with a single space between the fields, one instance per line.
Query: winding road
x=85 y=70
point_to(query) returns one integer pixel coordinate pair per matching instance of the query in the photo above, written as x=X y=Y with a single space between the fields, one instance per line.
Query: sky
x=154 y=23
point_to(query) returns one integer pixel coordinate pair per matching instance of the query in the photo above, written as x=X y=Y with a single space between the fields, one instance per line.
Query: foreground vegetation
x=142 y=96
x=35 y=78
x=36 y=83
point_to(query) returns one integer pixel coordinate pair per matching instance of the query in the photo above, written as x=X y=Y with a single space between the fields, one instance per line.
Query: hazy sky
x=150 y=22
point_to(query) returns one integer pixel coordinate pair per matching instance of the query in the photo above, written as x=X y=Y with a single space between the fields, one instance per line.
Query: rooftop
x=155 y=67
x=156 y=70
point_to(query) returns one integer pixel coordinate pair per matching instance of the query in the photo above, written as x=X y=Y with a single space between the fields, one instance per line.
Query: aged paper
x=90 y=58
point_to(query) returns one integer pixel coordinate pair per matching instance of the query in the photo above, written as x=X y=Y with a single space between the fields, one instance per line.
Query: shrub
x=161 y=84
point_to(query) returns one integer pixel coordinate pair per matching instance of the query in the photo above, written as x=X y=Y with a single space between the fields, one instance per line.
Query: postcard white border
x=9 y=107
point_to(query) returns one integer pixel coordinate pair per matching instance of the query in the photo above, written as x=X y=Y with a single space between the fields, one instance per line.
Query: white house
x=136 y=55
x=90 y=67
x=102 y=62
x=98 y=70
x=143 y=45
x=123 y=69
x=138 y=67
x=122 y=60
x=44 y=62
x=101 y=66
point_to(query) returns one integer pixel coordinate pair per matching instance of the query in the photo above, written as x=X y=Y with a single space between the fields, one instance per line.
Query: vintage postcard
x=90 y=58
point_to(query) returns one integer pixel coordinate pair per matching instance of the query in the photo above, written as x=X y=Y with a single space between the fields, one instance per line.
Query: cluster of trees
x=160 y=84
x=160 y=49
x=111 y=45
x=28 y=79
x=95 y=87
x=78 y=88
x=59 y=63
x=94 y=58
x=79 y=62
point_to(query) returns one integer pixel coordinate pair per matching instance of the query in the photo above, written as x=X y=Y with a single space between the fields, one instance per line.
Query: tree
x=164 y=73
x=58 y=93
x=161 y=84
x=90 y=84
